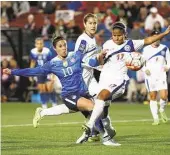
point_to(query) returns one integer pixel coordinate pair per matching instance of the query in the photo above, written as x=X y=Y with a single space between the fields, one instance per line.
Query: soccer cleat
x=37 y=117
x=84 y=138
x=156 y=122
x=111 y=142
x=94 y=138
x=164 y=118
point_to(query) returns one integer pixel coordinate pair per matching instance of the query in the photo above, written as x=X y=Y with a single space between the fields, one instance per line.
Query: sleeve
x=138 y=44
x=38 y=71
x=168 y=57
x=81 y=45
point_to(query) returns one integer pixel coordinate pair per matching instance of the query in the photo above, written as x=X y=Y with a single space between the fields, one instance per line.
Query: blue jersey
x=41 y=57
x=69 y=71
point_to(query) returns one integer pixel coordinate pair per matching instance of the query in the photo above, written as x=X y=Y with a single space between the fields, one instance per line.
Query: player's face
x=61 y=48
x=39 y=44
x=91 y=26
x=118 y=36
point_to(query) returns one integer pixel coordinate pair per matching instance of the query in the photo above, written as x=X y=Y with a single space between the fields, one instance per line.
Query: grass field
x=57 y=135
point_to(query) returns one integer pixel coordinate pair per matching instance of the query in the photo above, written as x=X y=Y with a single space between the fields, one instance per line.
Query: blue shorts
x=71 y=100
x=42 y=79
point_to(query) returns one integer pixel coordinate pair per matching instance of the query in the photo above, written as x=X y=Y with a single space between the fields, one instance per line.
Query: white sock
x=154 y=109
x=44 y=106
x=57 y=110
x=162 y=105
x=54 y=104
x=97 y=111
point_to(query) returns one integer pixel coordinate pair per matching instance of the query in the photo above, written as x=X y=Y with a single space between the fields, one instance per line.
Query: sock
x=105 y=112
x=154 y=109
x=99 y=126
x=107 y=122
x=57 y=110
x=162 y=105
x=97 y=111
x=53 y=98
x=44 y=99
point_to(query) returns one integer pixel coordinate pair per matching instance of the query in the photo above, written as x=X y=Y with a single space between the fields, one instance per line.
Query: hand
x=7 y=71
x=166 y=68
x=167 y=31
x=101 y=57
x=147 y=72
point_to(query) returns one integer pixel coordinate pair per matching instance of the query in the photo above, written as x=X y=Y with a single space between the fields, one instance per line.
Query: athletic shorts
x=156 y=84
x=71 y=100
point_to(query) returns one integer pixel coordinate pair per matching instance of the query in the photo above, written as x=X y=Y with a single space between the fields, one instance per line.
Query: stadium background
x=22 y=22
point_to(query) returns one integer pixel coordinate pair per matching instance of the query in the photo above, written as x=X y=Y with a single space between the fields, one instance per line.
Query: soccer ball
x=134 y=61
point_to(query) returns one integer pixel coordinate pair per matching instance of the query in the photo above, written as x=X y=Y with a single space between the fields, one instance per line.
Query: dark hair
x=155 y=32
x=87 y=16
x=38 y=39
x=119 y=25
x=56 y=39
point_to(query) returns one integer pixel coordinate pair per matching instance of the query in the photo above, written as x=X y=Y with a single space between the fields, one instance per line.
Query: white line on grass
x=67 y=123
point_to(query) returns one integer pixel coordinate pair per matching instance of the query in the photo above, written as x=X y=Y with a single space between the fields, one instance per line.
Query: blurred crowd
x=140 y=17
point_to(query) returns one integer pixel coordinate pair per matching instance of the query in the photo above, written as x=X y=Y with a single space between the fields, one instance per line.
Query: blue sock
x=53 y=97
x=44 y=98
x=99 y=125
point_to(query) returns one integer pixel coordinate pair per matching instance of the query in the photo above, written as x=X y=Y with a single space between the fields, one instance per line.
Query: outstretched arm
x=44 y=70
x=152 y=39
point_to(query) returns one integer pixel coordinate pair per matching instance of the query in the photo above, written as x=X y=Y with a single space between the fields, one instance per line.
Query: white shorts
x=93 y=87
x=116 y=87
x=156 y=84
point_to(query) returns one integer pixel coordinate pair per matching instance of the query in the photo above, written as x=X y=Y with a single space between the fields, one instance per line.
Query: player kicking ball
x=157 y=58
x=67 y=66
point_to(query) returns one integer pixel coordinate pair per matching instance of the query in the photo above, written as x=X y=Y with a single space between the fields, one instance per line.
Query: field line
x=67 y=123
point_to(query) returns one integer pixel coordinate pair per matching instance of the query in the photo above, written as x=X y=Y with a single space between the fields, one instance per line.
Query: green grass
x=54 y=138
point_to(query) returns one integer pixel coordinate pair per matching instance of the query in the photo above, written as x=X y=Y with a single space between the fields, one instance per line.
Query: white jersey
x=115 y=67
x=156 y=59
x=87 y=45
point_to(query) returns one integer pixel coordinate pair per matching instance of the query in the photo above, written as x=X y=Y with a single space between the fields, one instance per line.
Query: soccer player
x=69 y=70
x=157 y=58
x=113 y=77
x=39 y=56
x=86 y=43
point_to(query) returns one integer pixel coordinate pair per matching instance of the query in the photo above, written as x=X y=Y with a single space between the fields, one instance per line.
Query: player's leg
x=163 y=102
x=51 y=92
x=154 y=107
x=53 y=111
x=43 y=94
x=93 y=91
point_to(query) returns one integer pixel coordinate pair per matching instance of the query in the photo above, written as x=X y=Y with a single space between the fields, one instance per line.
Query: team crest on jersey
x=82 y=46
x=162 y=52
x=127 y=48
x=72 y=60
x=65 y=63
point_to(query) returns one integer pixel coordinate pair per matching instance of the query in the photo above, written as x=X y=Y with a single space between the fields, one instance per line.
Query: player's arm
x=167 y=58
x=32 y=65
x=38 y=71
x=152 y=39
x=98 y=60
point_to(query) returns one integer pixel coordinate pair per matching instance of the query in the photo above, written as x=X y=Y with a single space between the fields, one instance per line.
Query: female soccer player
x=157 y=58
x=67 y=66
x=113 y=77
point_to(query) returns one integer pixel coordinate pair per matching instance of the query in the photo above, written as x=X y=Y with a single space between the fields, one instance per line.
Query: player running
x=157 y=58
x=113 y=77
x=39 y=56
x=69 y=70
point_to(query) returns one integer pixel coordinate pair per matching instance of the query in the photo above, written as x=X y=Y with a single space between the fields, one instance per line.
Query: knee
x=164 y=97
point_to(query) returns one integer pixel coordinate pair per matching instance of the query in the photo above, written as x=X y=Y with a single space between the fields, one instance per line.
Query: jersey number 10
x=68 y=71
